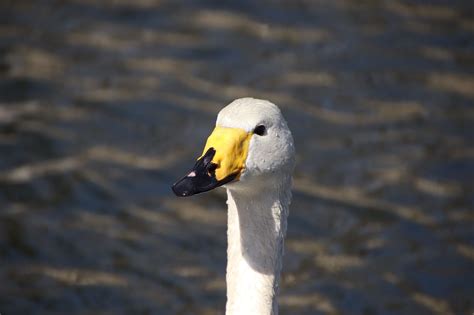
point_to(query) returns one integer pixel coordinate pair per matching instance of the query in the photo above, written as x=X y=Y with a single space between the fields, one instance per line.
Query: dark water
x=103 y=104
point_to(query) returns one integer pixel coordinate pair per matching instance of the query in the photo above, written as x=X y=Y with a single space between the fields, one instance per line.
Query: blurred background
x=105 y=103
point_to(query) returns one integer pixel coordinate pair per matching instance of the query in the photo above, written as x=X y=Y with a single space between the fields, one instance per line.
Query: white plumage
x=251 y=152
x=257 y=208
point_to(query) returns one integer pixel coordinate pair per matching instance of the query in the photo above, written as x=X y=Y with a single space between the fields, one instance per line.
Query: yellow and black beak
x=222 y=161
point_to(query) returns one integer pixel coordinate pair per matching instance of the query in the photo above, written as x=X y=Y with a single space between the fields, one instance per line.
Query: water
x=103 y=104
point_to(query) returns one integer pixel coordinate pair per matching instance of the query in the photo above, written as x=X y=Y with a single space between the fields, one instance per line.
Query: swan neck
x=256 y=231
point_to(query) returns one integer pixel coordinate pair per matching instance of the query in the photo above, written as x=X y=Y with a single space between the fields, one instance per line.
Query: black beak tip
x=182 y=188
x=201 y=178
x=200 y=181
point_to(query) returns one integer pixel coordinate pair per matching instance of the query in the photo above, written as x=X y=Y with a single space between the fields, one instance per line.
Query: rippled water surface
x=103 y=104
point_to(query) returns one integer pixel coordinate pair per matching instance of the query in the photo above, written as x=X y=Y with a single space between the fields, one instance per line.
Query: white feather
x=258 y=206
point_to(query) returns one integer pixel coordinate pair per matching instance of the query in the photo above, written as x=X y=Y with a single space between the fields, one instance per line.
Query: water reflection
x=102 y=103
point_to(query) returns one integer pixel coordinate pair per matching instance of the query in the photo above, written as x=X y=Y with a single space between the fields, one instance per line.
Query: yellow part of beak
x=231 y=145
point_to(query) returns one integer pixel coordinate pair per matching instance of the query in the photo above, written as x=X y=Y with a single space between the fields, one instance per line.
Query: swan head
x=250 y=147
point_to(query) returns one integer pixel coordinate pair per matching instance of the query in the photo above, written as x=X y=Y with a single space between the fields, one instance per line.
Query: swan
x=251 y=153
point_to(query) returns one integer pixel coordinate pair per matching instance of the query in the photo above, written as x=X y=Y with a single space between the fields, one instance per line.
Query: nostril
x=212 y=168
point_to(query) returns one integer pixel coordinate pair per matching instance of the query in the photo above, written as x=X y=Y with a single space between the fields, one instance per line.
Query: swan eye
x=260 y=130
